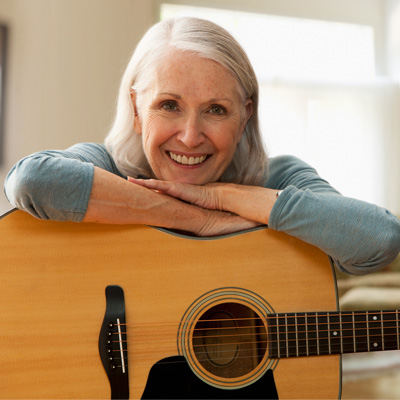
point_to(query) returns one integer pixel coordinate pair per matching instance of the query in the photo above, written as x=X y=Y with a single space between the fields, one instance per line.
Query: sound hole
x=229 y=340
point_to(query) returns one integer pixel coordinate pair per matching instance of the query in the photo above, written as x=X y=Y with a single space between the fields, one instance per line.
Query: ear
x=248 y=106
x=137 y=125
x=248 y=112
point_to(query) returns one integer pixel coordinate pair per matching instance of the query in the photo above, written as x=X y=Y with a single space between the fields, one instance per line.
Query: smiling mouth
x=184 y=160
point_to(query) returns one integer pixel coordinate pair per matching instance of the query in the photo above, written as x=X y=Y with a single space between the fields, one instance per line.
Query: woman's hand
x=203 y=196
x=250 y=202
x=214 y=219
x=114 y=200
x=216 y=223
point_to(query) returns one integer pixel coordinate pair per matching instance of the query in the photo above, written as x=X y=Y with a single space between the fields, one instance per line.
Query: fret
x=291 y=335
x=318 y=333
x=341 y=333
x=302 y=335
x=286 y=336
x=278 y=341
x=312 y=338
x=323 y=334
x=282 y=338
x=348 y=342
x=374 y=334
x=397 y=330
x=335 y=333
x=329 y=334
x=297 y=335
x=354 y=332
x=306 y=331
x=361 y=332
x=390 y=330
x=382 y=332
x=273 y=336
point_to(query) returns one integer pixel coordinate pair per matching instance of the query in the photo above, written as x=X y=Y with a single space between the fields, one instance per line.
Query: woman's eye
x=217 y=110
x=169 y=106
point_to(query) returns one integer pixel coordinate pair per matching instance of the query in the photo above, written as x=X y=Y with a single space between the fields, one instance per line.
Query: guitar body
x=53 y=278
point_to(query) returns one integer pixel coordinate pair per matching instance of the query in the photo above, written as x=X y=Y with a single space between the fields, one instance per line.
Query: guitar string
x=262 y=327
x=278 y=316
x=140 y=359
x=141 y=363
x=299 y=345
x=273 y=341
x=167 y=362
x=337 y=325
x=299 y=348
x=258 y=356
x=373 y=334
x=144 y=355
x=204 y=356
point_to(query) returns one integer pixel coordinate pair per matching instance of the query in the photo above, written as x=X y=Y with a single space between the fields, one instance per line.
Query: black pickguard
x=172 y=378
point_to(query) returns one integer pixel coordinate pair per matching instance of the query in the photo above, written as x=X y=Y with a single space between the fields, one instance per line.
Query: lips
x=185 y=160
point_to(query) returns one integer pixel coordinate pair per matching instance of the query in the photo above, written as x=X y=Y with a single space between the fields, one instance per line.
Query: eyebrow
x=177 y=96
x=213 y=100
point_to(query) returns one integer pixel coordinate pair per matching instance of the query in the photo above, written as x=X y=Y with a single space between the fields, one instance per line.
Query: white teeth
x=187 y=160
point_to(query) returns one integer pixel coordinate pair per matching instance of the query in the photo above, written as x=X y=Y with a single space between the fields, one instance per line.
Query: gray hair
x=249 y=164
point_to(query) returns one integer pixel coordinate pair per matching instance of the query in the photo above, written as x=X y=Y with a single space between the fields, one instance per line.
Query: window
x=293 y=47
x=320 y=98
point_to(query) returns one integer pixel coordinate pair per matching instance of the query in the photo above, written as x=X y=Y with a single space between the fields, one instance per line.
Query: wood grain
x=53 y=277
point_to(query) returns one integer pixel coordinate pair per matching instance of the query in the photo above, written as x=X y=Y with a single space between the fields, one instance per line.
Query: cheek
x=228 y=136
x=155 y=133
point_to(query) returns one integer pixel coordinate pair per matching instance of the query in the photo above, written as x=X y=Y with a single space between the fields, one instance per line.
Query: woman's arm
x=83 y=184
x=250 y=202
x=360 y=237
x=115 y=200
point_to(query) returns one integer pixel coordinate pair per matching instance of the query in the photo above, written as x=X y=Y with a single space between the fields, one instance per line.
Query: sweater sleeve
x=57 y=184
x=359 y=236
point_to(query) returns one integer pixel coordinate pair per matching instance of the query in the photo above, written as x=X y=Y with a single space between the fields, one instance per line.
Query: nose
x=191 y=133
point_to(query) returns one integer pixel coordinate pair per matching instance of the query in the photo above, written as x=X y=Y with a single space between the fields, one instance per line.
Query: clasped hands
x=244 y=206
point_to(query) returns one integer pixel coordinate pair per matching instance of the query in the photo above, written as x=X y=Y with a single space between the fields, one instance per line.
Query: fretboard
x=322 y=333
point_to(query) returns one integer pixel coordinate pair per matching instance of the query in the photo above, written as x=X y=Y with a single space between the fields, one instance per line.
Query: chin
x=192 y=180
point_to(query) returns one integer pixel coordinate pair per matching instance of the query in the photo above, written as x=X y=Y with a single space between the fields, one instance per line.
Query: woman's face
x=191 y=119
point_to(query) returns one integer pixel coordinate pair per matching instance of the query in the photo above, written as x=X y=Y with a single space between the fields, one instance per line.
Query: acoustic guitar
x=92 y=311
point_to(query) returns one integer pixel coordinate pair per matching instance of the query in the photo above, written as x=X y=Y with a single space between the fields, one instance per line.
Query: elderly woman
x=187 y=118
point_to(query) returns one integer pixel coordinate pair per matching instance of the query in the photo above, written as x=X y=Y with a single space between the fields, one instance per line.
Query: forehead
x=189 y=74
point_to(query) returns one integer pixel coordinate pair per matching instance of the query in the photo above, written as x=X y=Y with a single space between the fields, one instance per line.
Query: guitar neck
x=324 y=333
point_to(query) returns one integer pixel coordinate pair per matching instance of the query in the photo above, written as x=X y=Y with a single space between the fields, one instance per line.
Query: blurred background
x=329 y=73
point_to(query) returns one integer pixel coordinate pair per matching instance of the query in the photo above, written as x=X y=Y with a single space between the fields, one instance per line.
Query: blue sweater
x=360 y=237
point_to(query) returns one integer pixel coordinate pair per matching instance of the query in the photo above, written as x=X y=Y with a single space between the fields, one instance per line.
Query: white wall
x=65 y=61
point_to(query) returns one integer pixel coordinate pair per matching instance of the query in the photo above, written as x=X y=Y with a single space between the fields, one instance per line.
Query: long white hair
x=208 y=40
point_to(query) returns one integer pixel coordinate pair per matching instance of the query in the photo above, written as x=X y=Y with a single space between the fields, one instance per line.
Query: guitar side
x=52 y=300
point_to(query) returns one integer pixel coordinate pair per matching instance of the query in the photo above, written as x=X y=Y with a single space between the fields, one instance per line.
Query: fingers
x=203 y=196
x=149 y=183
x=182 y=191
x=222 y=223
x=155 y=185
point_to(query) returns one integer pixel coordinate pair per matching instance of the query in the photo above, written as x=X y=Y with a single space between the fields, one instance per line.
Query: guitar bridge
x=113 y=343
